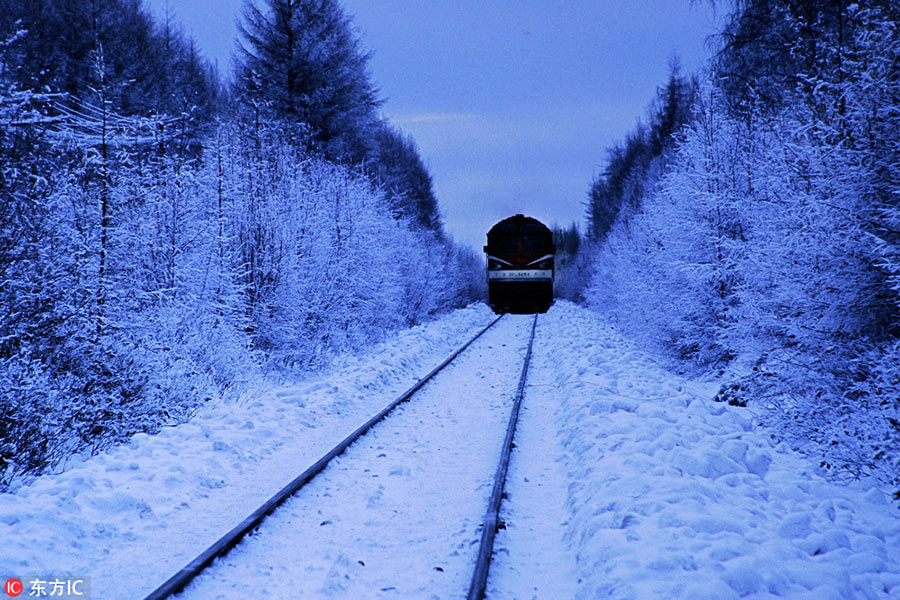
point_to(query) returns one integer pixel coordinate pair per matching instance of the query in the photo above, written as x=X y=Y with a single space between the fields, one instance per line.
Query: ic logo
x=13 y=587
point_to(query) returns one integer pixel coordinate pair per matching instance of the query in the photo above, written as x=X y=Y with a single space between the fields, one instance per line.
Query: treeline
x=638 y=160
x=164 y=238
x=572 y=263
x=759 y=238
x=85 y=47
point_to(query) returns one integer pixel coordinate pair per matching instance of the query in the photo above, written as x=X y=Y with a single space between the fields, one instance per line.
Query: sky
x=512 y=103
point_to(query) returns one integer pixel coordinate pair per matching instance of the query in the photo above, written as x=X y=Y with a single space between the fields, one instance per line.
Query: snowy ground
x=132 y=517
x=398 y=515
x=531 y=557
x=626 y=482
x=671 y=495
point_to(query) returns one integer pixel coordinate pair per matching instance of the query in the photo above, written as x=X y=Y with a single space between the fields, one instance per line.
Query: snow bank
x=675 y=496
x=131 y=517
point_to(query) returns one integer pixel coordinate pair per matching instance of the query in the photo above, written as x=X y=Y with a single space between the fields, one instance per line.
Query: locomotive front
x=520 y=265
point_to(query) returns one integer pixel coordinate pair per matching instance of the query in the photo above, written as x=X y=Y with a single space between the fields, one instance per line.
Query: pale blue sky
x=512 y=103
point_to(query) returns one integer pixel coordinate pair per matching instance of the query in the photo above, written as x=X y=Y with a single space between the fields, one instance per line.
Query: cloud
x=432 y=118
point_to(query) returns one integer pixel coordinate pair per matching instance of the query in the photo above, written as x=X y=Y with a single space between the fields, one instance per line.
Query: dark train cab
x=520 y=265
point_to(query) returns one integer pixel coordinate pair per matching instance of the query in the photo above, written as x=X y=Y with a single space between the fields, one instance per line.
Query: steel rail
x=492 y=516
x=223 y=545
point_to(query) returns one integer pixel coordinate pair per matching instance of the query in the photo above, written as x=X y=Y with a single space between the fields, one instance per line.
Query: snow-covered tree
x=632 y=166
x=152 y=262
x=767 y=241
x=149 y=69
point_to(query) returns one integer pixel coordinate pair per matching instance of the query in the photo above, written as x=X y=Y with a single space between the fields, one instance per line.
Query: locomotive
x=520 y=265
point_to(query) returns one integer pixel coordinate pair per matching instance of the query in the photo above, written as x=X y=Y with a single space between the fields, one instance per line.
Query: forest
x=166 y=237
x=756 y=210
x=170 y=234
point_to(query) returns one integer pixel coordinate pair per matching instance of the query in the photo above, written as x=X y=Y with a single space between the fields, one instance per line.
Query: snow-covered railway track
x=366 y=505
x=491 y=519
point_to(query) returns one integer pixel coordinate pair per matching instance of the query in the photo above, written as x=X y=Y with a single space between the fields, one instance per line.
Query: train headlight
x=494 y=265
x=545 y=264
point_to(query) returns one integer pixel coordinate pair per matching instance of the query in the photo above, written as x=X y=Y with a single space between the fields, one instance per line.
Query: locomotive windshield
x=528 y=239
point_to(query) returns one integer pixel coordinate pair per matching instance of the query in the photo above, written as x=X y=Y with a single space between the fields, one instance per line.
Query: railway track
x=491 y=519
x=488 y=525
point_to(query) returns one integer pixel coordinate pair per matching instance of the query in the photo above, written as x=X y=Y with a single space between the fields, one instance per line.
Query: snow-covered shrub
x=667 y=271
x=34 y=415
x=572 y=263
x=331 y=285
x=865 y=436
x=757 y=244
x=140 y=283
x=435 y=273
x=324 y=265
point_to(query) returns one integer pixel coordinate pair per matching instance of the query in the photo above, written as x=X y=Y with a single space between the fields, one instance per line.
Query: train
x=520 y=265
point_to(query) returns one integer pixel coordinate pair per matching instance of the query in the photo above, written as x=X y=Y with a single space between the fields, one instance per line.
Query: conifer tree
x=398 y=170
x=301 y=59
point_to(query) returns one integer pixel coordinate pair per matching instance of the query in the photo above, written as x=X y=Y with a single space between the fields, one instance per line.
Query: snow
x=672 y=495
x=627 y=481
x=398 y=515
x=132 y=517
x=535 y=504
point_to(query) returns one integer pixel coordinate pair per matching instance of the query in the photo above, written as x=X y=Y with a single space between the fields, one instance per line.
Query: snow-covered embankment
x=131 y=517
x=673 y=495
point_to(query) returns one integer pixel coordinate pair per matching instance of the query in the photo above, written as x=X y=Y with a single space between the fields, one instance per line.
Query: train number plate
x=521 y=274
